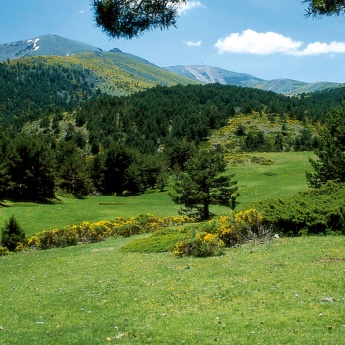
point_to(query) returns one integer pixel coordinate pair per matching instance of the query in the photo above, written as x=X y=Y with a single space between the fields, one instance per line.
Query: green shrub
x=12 y=234
x=317 y=211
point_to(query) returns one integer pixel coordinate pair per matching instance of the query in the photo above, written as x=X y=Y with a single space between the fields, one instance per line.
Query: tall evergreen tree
x=73 y=174
x=201 y=184
x=330 y=162
x=12 y=234
x=118 y=160
x=31 y=168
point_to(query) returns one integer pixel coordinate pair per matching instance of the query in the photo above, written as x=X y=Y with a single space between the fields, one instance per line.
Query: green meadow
x=286 y=291
x=282 y=291
x=284 y=177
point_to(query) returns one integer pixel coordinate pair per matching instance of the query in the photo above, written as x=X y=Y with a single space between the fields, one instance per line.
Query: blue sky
x=266 y=38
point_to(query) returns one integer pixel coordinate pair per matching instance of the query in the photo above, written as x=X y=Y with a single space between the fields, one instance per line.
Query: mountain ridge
x=209 y=74
x=54 y=45
x=44 y=45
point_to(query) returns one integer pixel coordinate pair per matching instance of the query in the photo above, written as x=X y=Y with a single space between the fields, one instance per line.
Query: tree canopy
x=318 y=8
x=331 y=152
x=130 y=18
x=201 y=185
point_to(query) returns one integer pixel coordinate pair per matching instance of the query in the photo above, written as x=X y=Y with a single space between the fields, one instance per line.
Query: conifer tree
x=201 y=184
x=330 y=162
x=318 y=8
x=12 y=234
x=130 y=18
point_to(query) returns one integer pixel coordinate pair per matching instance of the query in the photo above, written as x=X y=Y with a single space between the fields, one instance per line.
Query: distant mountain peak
x=209 y=74
x=115 y=50
x=44 y=45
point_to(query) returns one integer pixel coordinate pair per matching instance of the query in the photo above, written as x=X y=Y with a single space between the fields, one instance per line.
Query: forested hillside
x=32 y=87
x=161 y=115
x=76 y=139
x=33 y=91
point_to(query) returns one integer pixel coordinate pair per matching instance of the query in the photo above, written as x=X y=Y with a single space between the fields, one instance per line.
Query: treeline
x=31 y=90
x=35 y=167
x=158 y=116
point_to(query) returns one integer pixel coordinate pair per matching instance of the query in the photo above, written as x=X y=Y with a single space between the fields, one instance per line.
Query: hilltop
x=210 y=74
x=120 y=73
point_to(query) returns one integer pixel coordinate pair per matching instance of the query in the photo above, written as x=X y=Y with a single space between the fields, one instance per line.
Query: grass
x=288 y=291
x=284 y=177
x=35 y=217
x=161 y=241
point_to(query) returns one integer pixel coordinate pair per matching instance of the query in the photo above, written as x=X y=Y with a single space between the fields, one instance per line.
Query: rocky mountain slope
x=209 y=74
x=44 y=45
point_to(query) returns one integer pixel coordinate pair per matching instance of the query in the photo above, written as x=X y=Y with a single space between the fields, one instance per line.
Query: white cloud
x=192 y=43
x=252 y=42
x=81 y=12
x=189 y=5
x=318 y=48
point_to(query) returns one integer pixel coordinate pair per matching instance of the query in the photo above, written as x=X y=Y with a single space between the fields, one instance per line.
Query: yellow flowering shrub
x=241 y=226
x=19 y=247
x=34 y=241
x=3 y=251
x=199 y=243
x=87 y=232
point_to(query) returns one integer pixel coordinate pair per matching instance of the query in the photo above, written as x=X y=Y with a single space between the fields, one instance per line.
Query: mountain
x=44 y=45
x=209 y=74
x=113 y=72
x=119 y=73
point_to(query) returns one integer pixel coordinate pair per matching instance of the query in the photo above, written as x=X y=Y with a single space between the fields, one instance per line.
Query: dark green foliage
x=30 y=165
x=161 y=116
x=30 y=89
x=117 y=162
x=319 y=8
x=330 y=164
x=241 y=130
x=318 y=211
x=128 y=18
x=178 y=154
x=12 y=234
x=201 y=185
x=73 y=175
x=255 y=141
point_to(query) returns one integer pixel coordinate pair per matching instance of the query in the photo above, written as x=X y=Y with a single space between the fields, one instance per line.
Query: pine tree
x=128 y=18
x=330 y=162
x=201 y=184
x=12 y=234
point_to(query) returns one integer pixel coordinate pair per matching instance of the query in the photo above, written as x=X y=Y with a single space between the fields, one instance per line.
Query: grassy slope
x=117 y=73
x=283 y=178
x=290 y=291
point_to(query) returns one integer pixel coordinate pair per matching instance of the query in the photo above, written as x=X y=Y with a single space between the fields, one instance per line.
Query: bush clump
x=3 y=251
x=199 y=243
x=316 y=211
x=13 y=235
x=210 y=238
